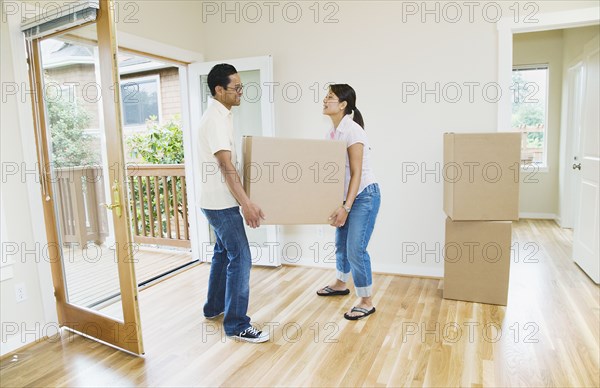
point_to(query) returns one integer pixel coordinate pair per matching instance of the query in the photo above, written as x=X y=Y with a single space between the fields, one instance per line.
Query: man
x=220 y=198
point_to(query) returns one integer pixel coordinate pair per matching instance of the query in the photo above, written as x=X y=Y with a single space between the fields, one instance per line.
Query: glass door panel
x=78 y=136
x=79 y=169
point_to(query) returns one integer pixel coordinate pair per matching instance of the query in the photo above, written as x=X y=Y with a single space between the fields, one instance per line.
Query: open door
x=254 y=117
x=585 y=236
x=73 y=70
x=571 y=176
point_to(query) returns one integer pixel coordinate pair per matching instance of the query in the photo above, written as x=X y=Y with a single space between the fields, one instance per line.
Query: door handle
x=577 y=166
x=116 y=205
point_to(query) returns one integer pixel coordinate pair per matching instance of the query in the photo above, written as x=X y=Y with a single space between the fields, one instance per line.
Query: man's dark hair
x=219 y=76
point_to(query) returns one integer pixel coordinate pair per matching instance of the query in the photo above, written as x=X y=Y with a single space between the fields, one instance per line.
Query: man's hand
x=252 y=214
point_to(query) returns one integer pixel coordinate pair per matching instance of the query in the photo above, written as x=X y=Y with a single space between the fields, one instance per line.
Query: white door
x=572 y=176
x=585 y=237
x=254 y=117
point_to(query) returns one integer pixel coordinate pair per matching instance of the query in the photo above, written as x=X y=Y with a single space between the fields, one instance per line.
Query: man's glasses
x=237 y=88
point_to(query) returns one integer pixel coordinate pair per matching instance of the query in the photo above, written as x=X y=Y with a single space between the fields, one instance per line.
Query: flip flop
x=331 y=292
x=364 y=312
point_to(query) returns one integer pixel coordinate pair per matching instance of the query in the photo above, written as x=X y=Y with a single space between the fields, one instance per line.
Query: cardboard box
x=294 y=181
x=481 y=176
x=477 y=261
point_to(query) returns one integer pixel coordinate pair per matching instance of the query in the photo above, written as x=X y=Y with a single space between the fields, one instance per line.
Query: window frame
x=142 y=79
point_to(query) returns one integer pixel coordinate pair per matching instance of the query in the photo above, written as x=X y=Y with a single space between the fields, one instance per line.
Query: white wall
x=541 y=198
x=372 y=48
x=22 y=241
x=169 y=28
x=574 y=41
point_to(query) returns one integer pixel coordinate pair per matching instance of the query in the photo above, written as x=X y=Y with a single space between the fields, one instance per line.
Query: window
x=140 y=98
x=529 y=112
x=68 y=92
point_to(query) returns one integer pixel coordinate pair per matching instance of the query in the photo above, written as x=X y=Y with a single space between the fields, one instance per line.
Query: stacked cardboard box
x=481 y=198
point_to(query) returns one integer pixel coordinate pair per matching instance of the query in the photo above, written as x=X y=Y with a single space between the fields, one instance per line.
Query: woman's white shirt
x=351 y=133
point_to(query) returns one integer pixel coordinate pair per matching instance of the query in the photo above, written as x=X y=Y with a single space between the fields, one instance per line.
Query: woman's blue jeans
x=352 y=239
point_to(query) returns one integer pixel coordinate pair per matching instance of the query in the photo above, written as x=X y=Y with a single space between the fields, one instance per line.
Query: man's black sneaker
x=251 y=335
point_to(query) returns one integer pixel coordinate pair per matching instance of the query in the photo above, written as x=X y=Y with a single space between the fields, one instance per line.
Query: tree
x=529 y=115
x=527 y=107
x=71 y=146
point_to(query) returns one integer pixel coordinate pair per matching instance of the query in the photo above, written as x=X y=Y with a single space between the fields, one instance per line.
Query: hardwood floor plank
x=548 y=335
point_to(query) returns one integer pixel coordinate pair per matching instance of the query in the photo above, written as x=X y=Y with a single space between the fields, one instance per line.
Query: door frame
x=545 y=21
x=200 y=229
x=127 y=334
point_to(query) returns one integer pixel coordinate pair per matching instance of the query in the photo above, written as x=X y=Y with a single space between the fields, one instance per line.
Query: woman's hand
x=338 y=217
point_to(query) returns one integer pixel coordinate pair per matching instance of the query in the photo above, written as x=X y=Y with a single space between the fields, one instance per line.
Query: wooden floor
x=547 y=336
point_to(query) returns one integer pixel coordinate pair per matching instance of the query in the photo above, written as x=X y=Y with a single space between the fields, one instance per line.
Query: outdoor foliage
x=71 y=146
x=160 y=144
x=528 y=110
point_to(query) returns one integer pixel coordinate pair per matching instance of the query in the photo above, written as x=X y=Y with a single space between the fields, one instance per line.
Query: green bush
x=160 y=144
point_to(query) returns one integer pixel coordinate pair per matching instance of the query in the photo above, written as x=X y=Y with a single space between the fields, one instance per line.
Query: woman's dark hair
x=344 y=92
x=219 y=76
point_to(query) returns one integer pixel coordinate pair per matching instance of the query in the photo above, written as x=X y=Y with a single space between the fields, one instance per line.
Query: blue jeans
x=229 y=281
x=352 y=239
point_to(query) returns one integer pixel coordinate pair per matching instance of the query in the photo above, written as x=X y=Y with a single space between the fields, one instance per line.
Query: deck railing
x=157 y=198
x=79 y=191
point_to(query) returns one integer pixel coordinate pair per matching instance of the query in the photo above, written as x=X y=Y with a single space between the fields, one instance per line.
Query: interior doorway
x=579 y=129
x=254 y=117
x=152 y=139
x=152 y=103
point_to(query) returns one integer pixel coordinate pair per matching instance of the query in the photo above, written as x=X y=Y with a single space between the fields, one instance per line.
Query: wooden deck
x=92 y=278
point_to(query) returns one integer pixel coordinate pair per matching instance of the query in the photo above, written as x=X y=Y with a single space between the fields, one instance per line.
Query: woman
x=355 y=219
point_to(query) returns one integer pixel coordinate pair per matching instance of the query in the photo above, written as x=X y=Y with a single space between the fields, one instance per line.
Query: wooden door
x=84 y=192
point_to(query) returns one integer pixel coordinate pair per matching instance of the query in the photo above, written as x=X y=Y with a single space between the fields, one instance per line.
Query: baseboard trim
x=411 y=272
x=539 y=216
